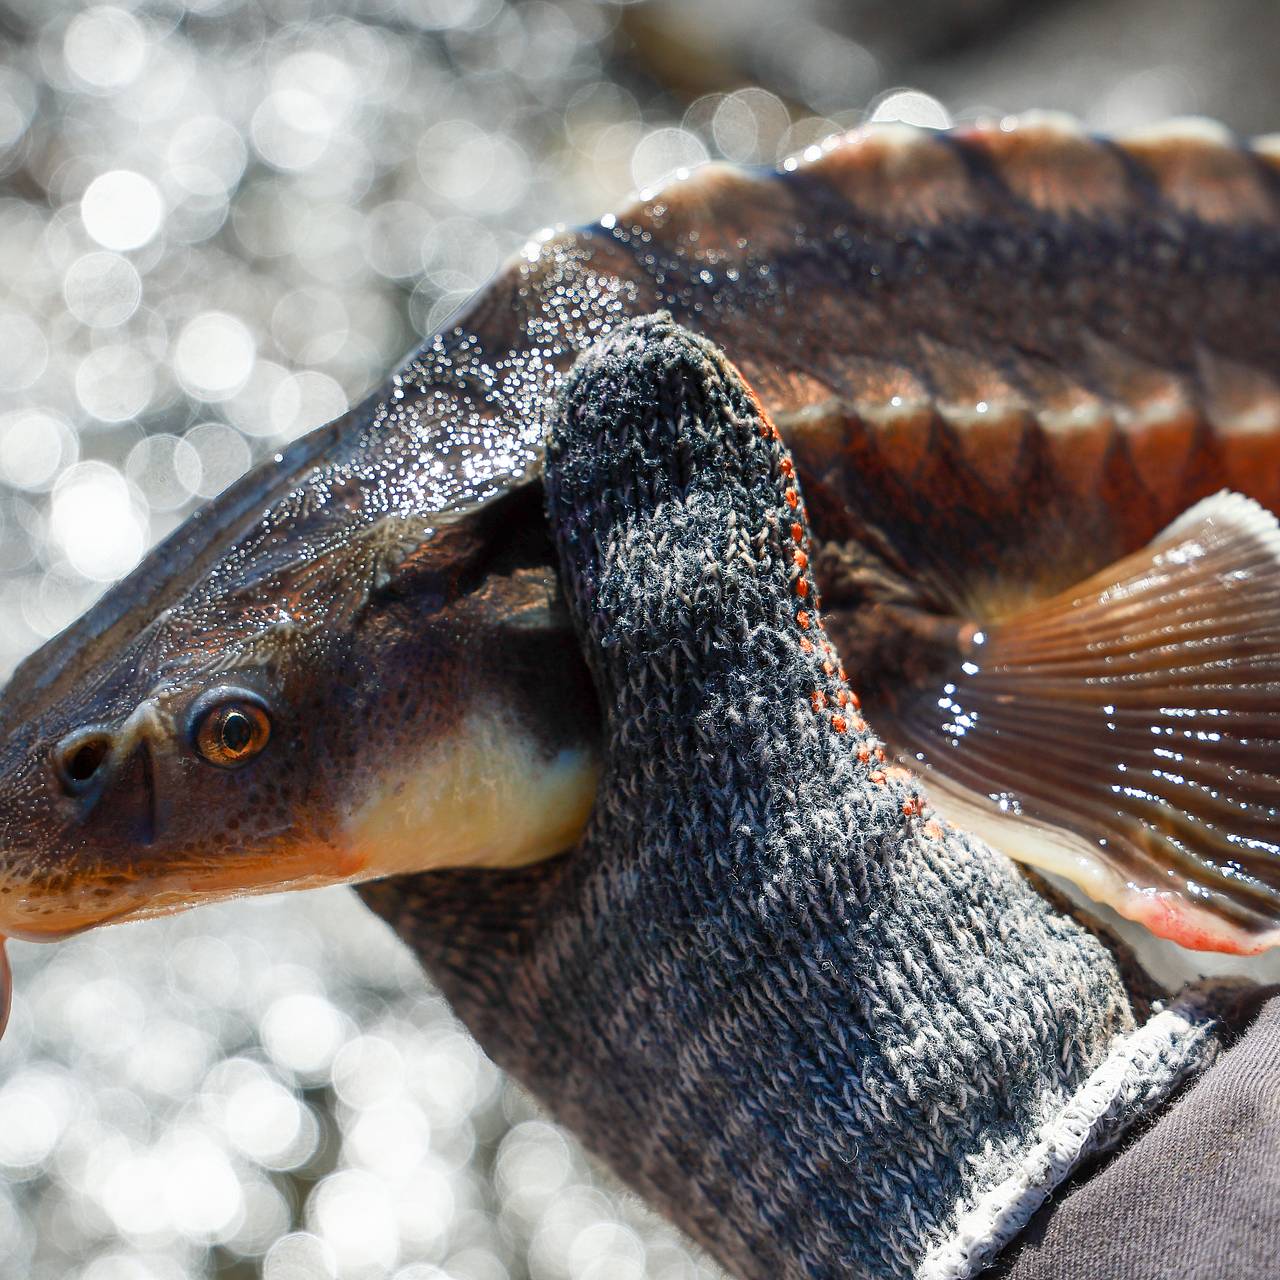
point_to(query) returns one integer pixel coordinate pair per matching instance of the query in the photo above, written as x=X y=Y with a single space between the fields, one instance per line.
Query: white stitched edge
x=1149 y=1062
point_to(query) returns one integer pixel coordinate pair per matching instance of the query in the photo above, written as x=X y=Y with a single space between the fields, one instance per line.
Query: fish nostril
x=79 y=759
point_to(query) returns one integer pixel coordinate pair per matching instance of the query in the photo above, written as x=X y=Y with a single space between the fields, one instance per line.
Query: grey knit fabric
x=825 y=1034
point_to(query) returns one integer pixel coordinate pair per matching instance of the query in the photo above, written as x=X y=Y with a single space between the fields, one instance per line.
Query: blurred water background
x=221 y=223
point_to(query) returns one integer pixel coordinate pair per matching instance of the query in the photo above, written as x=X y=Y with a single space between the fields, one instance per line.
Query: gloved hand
x=822 y=1032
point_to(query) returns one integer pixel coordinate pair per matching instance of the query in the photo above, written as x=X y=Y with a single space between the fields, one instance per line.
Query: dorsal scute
x=1042 y=162
x=1049 y=163
x=720 y=210
x=1199 y=169
x=896 y=173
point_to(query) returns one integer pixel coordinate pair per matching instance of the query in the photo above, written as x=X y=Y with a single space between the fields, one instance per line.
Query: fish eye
x=231 y=732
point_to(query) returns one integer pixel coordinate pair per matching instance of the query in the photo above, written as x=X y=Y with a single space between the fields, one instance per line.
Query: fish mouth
x=33 y=910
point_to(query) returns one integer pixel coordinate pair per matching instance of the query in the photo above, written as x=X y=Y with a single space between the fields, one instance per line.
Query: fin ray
x=1134 y=722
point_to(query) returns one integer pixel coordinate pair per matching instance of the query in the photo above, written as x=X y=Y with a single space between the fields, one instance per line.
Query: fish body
x=1004 y=358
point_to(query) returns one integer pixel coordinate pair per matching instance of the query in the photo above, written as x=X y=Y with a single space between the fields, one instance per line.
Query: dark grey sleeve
x=1194 y=1197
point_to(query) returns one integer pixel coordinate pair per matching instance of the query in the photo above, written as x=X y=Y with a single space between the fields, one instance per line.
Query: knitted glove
x=826 y=1035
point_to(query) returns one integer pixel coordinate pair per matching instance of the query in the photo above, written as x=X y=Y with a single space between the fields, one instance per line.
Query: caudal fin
x=1126 y=733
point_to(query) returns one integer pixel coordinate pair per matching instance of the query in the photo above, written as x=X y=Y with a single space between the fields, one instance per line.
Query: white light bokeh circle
x=662 y=154
x=367 y=1071
x=95 y=522
x=302 y=1033
x=429 y=1202
x=250 y=408
x=444 y=1074
x=572 y=1212
x=24 y=351
x=156 y=465
x=473 y=167
x=122 y=210
x=911 y=106
x=300 y=1256
x=102 y=289
x=263 y=1119
x=353 y=1213
x=34 y=446
x=202 y=1196
x=214 y=356
x=130 y=1189
x=35 y=1107
x=460 y=253
x=206 y=155
x=391 y=1140
x=265 y=1218
x=172 y=1060
x=533 y=1164
x=128 y=1264
x=52 y=601
x=115 y=383
x=105 y=47
x=216 y=456
x=748 y=126
x=290 y=129
x=311 y=325
x=305 y=400
x=393 y=234
x=606 y=1251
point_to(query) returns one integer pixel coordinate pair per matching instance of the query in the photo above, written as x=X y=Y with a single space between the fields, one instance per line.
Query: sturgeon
x=1029 y=380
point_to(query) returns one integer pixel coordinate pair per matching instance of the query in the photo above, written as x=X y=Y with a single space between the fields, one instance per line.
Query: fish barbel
x=1029 y=380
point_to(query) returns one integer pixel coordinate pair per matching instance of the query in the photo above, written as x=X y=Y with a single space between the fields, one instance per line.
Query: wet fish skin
x=1003 y=358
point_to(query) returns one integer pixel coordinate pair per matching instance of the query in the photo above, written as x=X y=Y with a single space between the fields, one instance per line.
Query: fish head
x=151 y=788
x=329 y=688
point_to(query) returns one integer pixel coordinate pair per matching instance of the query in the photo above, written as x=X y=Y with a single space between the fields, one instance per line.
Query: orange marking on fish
x=839 y=724
x=797 y=532
x=933 y=829
x=792 y=497
x=817 y=700
x=803 y=619
x=802 y=588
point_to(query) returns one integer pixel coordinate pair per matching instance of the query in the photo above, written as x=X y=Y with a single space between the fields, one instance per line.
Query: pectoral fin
x=1126 y=733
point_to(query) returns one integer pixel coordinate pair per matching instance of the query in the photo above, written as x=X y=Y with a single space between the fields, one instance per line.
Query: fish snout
x=97 y=759
x=81 y=815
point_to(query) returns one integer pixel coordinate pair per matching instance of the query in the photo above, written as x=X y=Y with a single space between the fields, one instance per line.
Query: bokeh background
x=221 y=223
